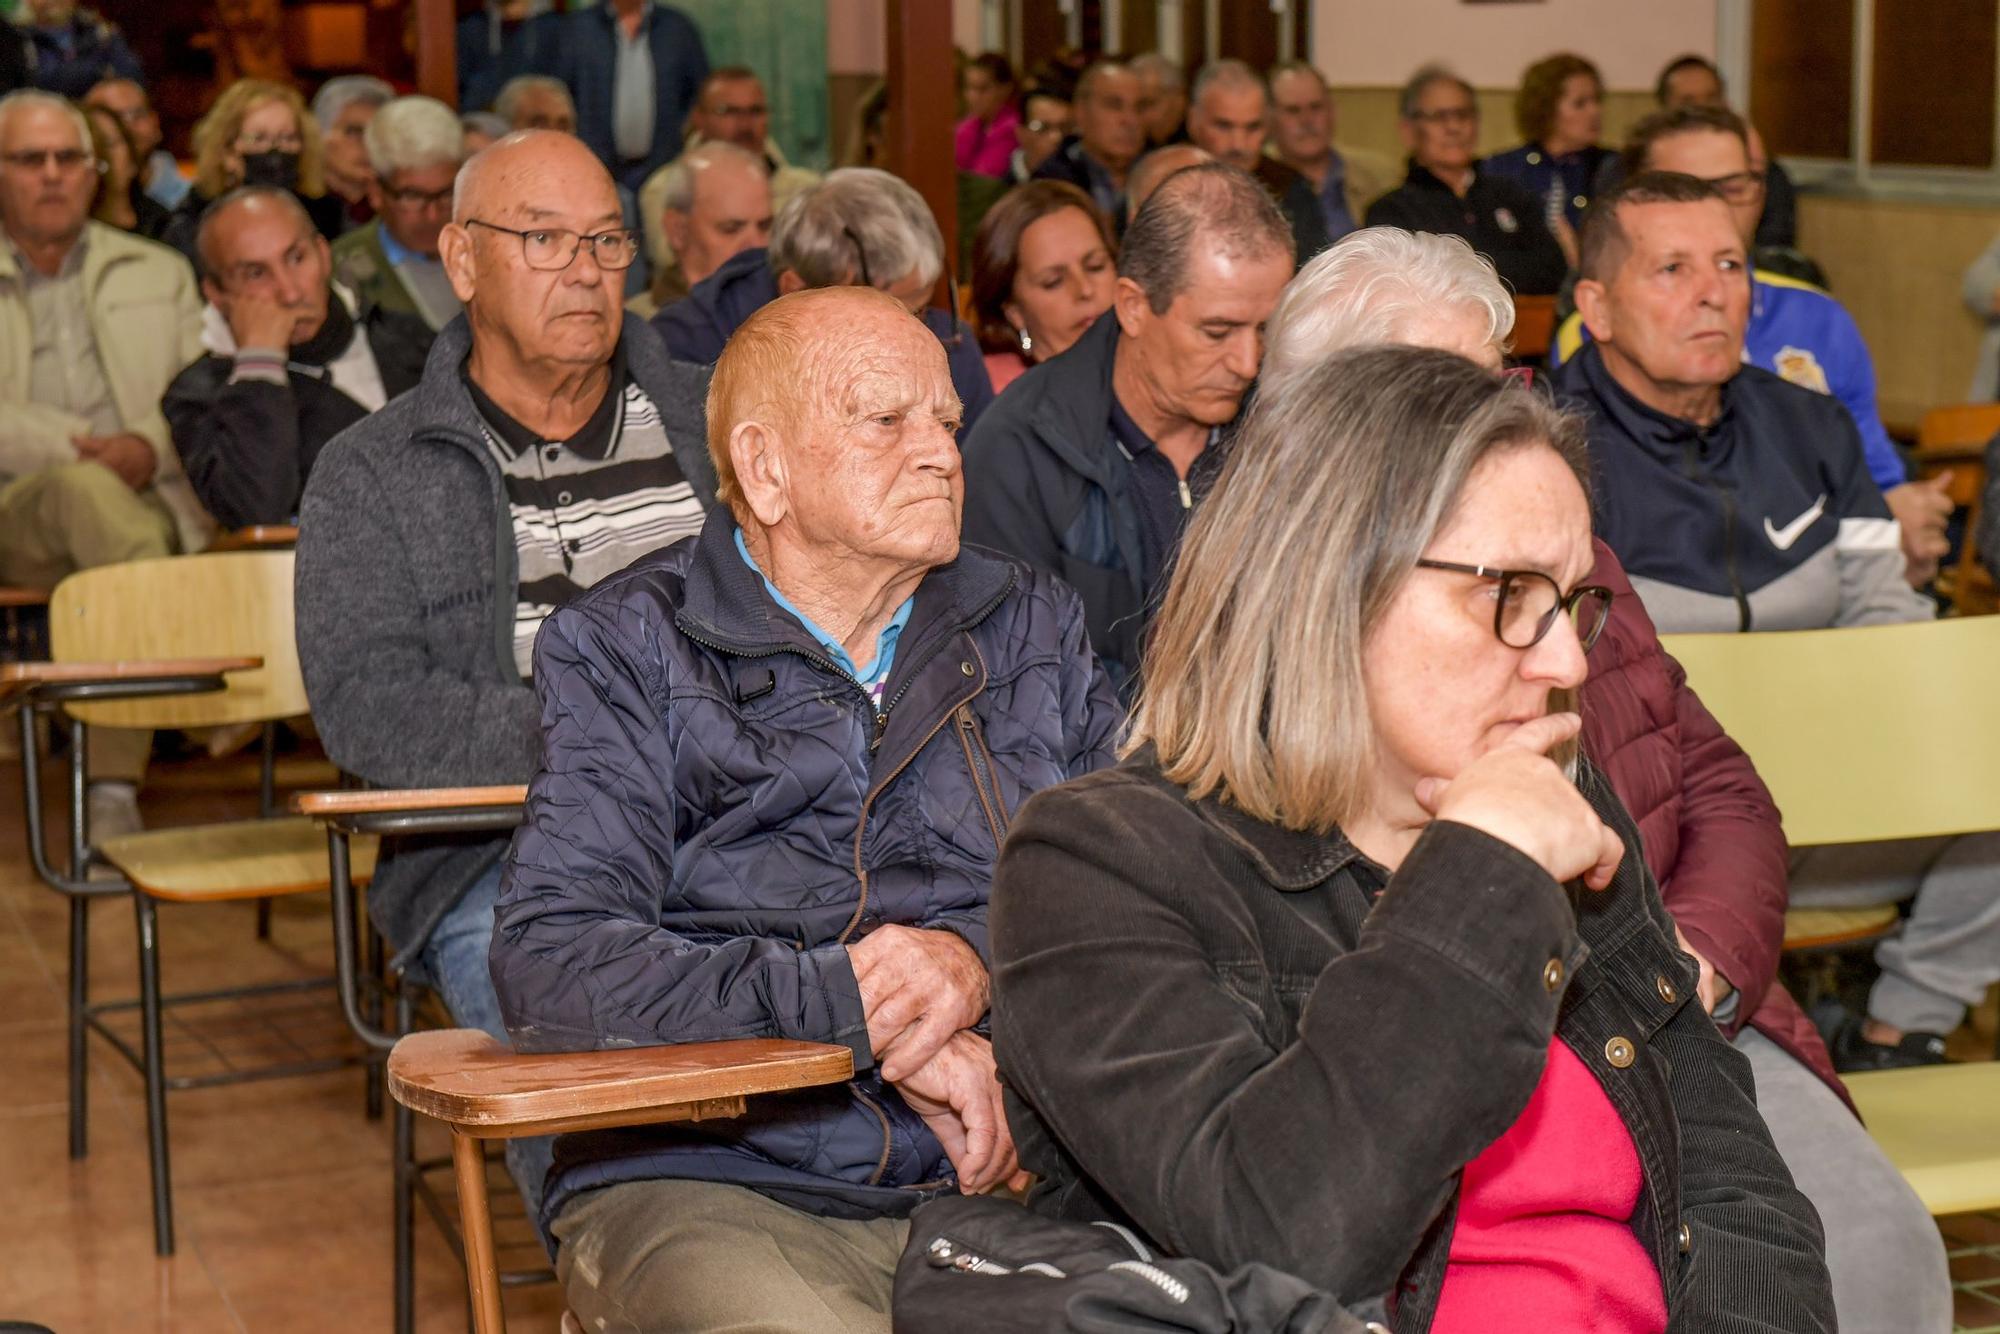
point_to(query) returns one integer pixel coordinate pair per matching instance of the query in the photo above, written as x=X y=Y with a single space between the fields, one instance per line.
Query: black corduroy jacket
x=1207 y=1030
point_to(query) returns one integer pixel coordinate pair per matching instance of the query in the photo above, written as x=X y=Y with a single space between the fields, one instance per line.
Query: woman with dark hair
x=985 y=138
x=120 y=201
x=1560 y=112
x=1043 y=268
x=1353 y=967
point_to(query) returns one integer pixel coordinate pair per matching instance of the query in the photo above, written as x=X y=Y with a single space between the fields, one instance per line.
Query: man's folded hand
x=917 y=989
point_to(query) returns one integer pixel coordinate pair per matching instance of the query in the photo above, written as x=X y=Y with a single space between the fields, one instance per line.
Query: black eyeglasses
x=1529 y=600
x=1738 y=187
x=952 y=340
x=553 y=248
x=38 y=159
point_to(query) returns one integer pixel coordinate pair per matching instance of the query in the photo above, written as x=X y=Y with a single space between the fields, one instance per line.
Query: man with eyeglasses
x=94 y=325
x=1445 y=191
x=731 y=108
x=1046 y=120
x=160 y=177
x=1796 y=331
x=858 y=227
x=550 y=443
x=1739 y=502
x=415 y=145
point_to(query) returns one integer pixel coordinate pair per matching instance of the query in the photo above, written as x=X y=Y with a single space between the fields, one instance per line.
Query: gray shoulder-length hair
x=1253 y=687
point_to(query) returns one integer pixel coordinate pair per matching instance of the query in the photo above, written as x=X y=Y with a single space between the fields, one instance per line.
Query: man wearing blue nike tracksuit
x=1740 y=502
x=1796 y=330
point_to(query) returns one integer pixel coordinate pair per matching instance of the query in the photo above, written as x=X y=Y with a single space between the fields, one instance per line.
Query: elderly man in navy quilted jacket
x=778 y=762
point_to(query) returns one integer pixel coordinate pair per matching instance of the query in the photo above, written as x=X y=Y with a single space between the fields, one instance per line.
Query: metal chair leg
x=372 y=1008
x=79 y=1031
x=405 y=1202
x=156 y=1076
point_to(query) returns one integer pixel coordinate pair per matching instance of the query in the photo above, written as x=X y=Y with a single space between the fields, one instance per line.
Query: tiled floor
x=281 y=1189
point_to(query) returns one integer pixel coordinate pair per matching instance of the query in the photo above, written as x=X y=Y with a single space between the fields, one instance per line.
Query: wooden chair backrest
x=1954 y=438
x=1534 y=326
x=1851 y=747
x=237 y=603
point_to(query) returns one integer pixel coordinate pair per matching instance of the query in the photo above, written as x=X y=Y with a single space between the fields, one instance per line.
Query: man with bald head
x=549 y=443
x=715 y=203
x=291 y=359
x=1152 y=170
x=778 y=761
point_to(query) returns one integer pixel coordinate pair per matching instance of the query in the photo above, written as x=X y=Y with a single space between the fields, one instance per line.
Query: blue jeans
x=455 y=959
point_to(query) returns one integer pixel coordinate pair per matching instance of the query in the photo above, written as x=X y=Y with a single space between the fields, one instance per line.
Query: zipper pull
x=944 y=1253
x=881 y=725
x=1187 y=498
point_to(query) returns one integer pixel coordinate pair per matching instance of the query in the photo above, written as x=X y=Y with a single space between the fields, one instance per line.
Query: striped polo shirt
x=588 y=506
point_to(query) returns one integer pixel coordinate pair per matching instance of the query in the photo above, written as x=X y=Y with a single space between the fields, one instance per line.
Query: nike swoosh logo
x=1782 y=538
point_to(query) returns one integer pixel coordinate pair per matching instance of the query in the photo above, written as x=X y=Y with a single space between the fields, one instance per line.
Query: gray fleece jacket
x=405 y=598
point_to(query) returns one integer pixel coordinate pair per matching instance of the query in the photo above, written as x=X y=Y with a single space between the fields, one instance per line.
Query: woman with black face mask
x=257 y=133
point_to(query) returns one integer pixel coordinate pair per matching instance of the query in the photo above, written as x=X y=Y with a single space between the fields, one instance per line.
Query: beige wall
x=1897 y=267
x=1366 y=117
x=1370 y=41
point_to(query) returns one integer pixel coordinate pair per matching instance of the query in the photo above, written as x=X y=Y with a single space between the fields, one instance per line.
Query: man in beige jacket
x=94 y=324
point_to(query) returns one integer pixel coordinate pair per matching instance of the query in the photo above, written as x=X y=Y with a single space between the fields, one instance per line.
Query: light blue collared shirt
x=877 y=675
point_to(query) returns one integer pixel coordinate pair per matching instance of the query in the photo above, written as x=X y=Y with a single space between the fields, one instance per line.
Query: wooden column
x=921 y=98
x=437 y=53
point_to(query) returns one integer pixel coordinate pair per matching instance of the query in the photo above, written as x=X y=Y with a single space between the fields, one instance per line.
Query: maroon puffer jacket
x=1707 y=822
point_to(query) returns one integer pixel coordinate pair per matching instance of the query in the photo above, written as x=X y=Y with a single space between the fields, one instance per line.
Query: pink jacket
x=988 y=149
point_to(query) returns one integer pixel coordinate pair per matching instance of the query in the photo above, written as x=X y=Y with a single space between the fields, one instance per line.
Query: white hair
x=1371 y=287
x=678 y=192
x=411 y=133
x=337 y=95
x=508 y=103
x=820 y=229
x=37 y=97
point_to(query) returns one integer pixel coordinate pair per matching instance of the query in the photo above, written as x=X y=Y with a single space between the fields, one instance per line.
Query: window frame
x=1858 y=175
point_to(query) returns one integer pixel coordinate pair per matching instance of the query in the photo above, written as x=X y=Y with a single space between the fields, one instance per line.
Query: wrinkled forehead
x=874 y=361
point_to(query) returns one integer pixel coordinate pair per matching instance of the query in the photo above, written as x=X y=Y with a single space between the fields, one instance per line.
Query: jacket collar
x=1073 y=417
x=1289 y=859
x=1423 y=178
x=724 y=602
x=1659 y=434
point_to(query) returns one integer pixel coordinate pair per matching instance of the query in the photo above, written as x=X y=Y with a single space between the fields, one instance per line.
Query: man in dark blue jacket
x=778 y=761
x=1088 y=466
x=857 y=227
x=634 y=68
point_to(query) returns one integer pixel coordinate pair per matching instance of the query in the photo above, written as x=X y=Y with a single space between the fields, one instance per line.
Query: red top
x=987 y=147
x=1544 y=1237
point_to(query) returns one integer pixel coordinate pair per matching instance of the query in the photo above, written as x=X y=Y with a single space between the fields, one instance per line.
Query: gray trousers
x=1948 y=953
x=695 y=1257
x=1883 y=1249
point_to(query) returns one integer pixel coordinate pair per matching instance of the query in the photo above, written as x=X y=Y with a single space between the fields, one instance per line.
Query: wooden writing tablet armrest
x=391 y=801
x=24 y=597
x=181 y=672
x=485 y=1089
x=257 y=537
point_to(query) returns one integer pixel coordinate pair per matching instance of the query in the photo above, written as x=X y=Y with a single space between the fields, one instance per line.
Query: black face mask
x=274 y=167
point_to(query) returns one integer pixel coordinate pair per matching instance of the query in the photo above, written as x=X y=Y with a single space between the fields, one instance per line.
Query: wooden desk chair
x=1534 y=328
x=189 y=641
x=1853 y=754
x=1955 y=438
x=483 y=1090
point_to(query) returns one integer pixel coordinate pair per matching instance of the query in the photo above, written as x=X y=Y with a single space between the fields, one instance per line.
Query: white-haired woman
x=1339 y=971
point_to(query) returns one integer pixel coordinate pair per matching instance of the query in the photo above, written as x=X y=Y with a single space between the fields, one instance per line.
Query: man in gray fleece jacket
x=550 y=442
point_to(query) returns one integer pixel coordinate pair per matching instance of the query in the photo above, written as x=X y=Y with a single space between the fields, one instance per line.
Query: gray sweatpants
x=1885 y=1254
x=696 y=1257
x=1948 y=953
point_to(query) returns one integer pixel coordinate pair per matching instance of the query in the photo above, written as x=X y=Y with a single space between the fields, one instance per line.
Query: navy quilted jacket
x=720 y=811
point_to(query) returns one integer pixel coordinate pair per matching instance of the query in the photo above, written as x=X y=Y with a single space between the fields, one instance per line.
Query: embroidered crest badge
x=1504 y=219
x=1799 y=366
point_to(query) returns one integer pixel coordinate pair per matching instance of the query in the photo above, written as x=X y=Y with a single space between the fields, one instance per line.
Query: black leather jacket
x=1208 y=1031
